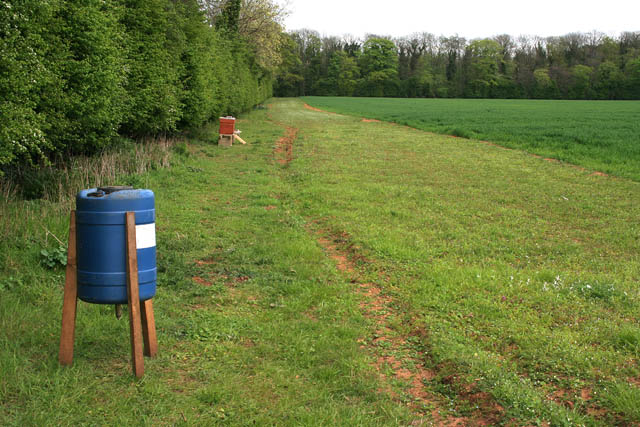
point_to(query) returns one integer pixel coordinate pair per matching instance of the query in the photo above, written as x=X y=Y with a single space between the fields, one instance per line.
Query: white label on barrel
x=145 y=236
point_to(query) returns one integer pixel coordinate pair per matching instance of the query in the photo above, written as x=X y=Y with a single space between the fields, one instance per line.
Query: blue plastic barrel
x=101 y=240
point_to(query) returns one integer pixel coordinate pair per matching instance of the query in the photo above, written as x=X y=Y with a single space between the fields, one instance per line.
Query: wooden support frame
x=149 y=329
x=133 y=297
x=70 y=302
x=225 y=140
x=140 y=312
x=141 y=317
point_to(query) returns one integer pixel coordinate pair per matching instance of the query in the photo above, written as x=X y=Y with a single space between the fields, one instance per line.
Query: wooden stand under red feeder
x=228 y=132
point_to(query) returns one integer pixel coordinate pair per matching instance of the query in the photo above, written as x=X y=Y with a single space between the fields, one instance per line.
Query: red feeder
x=227 y=125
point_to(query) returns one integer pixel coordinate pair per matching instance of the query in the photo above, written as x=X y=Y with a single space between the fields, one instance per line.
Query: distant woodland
x=573 y=66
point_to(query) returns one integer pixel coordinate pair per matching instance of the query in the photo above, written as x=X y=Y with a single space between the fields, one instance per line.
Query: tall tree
x=258 y=22
x=379 y=67
x=290 y=73
x=632 y=72
x=482 y=74
x=343 y=73
x=351 y=45
x=609 y=81
x=227 y=21
x=309 y=46
x=580 y=81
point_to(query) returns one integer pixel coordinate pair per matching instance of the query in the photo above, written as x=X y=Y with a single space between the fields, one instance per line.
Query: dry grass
x=55 y=186
x=68 y=175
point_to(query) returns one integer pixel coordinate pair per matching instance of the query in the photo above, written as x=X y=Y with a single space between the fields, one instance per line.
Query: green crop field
x=340 y=272
x=599 y=135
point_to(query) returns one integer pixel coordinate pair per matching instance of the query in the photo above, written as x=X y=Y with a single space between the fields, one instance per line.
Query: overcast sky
x=467 y=18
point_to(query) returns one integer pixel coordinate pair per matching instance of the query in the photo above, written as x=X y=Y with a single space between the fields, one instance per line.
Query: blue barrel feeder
x=101 y=239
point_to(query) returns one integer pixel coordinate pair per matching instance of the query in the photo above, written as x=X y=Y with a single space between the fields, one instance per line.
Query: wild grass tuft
x=60 y=181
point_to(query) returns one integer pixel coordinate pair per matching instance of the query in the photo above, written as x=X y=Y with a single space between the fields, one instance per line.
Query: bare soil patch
x=201 y=281
x=284 y=146
x=309 y=107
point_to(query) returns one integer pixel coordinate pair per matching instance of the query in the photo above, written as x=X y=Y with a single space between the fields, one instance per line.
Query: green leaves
x=54 y=258
x=23 y=73
x=228 y=19
x=76 y=75
x=379 y=67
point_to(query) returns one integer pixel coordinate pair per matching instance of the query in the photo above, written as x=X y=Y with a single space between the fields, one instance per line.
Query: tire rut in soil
x=395 y=356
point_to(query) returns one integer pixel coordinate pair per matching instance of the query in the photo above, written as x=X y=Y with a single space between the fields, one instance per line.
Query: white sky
x=467 y=18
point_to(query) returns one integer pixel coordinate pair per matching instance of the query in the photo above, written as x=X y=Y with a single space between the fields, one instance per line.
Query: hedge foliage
x=75 y=75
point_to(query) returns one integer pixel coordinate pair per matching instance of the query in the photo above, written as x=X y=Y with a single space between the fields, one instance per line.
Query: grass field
x=599 y=135
x=341 y=272
x=255 y=327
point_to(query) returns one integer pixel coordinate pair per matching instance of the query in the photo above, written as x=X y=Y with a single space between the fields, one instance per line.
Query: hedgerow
x=76 y=75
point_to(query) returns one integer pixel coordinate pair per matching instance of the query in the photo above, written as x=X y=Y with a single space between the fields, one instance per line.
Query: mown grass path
x=341 y=272
x=602 y=136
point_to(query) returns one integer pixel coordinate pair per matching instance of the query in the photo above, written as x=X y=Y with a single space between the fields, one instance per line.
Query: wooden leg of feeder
x=70 y=302
x=133 y=295
x=149 y=329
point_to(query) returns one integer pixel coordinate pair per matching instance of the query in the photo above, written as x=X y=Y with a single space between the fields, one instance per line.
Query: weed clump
x=53 y=258
x=459 y=133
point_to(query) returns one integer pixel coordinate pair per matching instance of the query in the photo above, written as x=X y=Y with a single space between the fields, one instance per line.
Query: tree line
x=77 y=75
x=573 y=66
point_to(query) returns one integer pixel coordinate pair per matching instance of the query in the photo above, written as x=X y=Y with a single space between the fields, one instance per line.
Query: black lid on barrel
x=103 y=191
